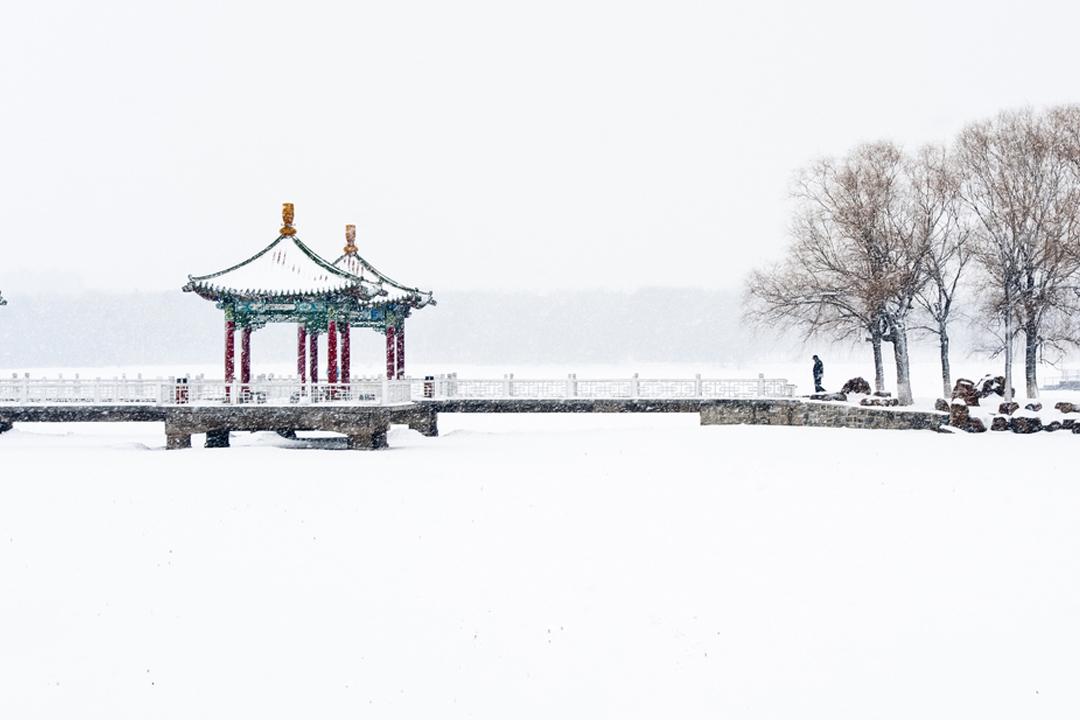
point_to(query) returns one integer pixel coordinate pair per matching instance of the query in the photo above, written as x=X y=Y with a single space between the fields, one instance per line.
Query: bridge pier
x=422 y=419
x=175 y=440
x=367 y=438
x=216 y=439
x=365 y=427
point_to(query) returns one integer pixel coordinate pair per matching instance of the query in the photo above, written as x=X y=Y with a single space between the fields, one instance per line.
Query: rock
x=965 y=390
x=828 y=396
x=1052 y=426
x=856 y=386
x=959 y=414
x=879 y=402
x=882 y=393
x=1076 y=429
x=1033 y=406
x=992 y=385
x=941 y=405
x=975 y=425
x=1008 y=408
x=999 y=423
x=1025 y=425
x=1065 y=407
x=1068 y=424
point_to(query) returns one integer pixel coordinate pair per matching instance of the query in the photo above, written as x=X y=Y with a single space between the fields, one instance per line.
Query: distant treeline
x=650 y=325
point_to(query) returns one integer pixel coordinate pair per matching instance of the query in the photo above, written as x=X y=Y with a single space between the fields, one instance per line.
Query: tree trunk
x=1031 y=359
x=1008 y=355
x=903 y=368
x=946 y=372
x=879 y=366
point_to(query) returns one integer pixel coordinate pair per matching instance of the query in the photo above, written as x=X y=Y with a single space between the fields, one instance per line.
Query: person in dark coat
x=819 y=372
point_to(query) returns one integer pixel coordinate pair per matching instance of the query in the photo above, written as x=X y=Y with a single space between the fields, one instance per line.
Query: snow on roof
x=286 y=267
x=354 y=264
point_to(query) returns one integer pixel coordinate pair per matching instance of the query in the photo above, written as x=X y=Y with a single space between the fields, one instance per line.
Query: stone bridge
x=366 y=427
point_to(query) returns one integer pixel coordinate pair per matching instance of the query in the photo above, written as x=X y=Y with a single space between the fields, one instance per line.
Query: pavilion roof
x=352 y=262
x=286 y=268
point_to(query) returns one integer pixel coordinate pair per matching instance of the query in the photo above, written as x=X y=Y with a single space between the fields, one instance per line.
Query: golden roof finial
x=350 y=239
x=287 y=219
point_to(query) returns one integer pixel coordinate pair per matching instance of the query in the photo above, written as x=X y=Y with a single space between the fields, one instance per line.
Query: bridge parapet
x=291 y=391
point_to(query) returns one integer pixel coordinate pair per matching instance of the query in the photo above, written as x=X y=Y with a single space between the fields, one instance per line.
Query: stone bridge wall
x=716 y=412
x=366 y=427
x=817 y=414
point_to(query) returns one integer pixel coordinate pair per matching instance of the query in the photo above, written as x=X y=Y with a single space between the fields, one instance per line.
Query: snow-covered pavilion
x=388 y=314
x=288 y=282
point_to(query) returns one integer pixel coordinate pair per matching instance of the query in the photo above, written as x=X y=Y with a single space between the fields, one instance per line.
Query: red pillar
x=313 y=355
x=390 y=364
x=230 y=331
x=245 y=356
x=301 y=353
x=401 y=351
x=331 y=353
x=346 y=354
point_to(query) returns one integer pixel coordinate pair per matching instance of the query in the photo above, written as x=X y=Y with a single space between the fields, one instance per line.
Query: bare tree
x=895 y=240
x=1065 y=124
x=791 y=294
x=1023 y=193
x=943 y=229
x=855 y=263
x=812 y=289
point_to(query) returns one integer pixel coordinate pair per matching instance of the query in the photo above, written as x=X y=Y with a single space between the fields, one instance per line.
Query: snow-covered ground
x=540 y=566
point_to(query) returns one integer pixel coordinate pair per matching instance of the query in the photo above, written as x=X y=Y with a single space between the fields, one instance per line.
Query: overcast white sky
x=476 y=145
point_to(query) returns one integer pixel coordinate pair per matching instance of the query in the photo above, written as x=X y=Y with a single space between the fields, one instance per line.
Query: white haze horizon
x=476 y=145
x=657 y=332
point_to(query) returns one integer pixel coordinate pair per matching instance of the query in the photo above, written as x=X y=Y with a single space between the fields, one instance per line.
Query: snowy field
x=539 y=567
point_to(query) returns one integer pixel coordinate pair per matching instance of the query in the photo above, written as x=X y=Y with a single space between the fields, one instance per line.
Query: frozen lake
x=540 y=566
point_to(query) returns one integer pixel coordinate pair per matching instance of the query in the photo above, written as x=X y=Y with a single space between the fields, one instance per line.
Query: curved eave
x=411 y=301
x=413 y=297
x=423 y=300
x=217 y=293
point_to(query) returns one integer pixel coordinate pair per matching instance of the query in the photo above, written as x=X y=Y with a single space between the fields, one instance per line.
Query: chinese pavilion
x=388 y=314
x=288 y=282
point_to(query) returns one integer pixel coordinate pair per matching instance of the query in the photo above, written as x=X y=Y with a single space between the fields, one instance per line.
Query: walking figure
x=819 y=372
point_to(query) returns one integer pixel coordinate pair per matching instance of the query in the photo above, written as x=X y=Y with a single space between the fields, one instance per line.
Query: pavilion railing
x=197 y=391
x=371 y=391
